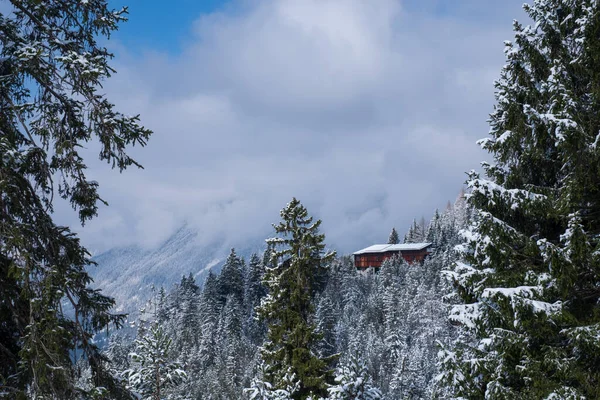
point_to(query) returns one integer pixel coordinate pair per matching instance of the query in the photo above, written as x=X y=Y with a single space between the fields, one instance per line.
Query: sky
x=366 y=110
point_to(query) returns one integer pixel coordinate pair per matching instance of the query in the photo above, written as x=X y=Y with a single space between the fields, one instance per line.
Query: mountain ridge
x=129 y=273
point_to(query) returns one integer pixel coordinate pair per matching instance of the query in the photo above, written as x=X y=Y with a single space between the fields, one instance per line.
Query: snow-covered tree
x=231 y=280
x=263 y=390
x=394 y=238
x=416 y=233
x=326 y=318
x=288 y=308
x=432 y=234
x=255 y=292
x=152 y=370
x=188 y=317
x=531 y=266
x=52 y=64
x=394 y=318
x=352 y=382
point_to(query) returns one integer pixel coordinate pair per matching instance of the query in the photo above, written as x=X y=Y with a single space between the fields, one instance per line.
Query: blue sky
x=152 y=27
x=366 y=110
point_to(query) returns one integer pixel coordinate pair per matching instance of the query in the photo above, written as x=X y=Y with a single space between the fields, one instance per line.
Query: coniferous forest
x=505 y=306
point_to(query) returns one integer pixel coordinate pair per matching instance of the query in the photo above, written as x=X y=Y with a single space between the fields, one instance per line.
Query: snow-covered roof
x=382 y=248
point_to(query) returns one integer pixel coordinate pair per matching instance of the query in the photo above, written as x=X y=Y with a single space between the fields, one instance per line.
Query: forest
x=506 y=306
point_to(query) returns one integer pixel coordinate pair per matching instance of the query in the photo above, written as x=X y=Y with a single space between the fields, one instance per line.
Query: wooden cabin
x=374 y=256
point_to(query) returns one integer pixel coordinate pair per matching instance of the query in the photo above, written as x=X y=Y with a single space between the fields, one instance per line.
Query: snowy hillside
x=129 y=273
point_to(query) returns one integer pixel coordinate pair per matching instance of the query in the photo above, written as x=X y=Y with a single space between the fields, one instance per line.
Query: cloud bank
x=367 y=111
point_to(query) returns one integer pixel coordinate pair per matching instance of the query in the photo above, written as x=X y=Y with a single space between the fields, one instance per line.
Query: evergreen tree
x=188 y=323
x=394 y=238
x=152 y=371
x=325 y=317
x=209 y=320
x=51 y=106
x=354 y=383
x=210 y=291
x=531 y=267
x=289 y=309
x=255 y=288
x=416 y=232
x=162 y=308
x=255 y=291
x=119 y=348
x=263 y=390
x=433 y=230
x=231 y=280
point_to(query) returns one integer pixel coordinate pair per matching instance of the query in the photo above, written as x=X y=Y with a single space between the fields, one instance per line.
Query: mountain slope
x=129 y=273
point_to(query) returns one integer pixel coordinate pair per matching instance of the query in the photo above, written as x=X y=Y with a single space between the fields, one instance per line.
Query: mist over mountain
x=129 y=273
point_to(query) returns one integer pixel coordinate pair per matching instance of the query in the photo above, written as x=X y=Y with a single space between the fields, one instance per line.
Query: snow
x=516 y=196
x=542 y=306
x=465 y=314
x=524 y=291
x=595 y=144
x=382 y=248
x=502 y=138
x=127 y=273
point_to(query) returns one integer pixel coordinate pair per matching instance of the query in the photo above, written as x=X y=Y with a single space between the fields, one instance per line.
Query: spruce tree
x=209 y=319
x=255 y=289
x=433 y=229
x=353 y=382
x=231 y=280
x=152 y=370
x=416 y=232
x=299 y=265
x=188 y=323
x=51 y=106
x=394 y=238
x=531 y=263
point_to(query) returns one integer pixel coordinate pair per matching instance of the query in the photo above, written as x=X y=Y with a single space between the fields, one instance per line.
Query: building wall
x=374 y=260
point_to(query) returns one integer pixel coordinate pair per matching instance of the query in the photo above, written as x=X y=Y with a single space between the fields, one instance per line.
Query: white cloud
x=366 y=111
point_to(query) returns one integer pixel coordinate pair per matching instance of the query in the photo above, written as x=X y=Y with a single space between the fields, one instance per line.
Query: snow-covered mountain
x=129 y=273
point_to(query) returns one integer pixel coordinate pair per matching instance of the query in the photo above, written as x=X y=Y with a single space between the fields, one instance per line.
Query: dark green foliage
x=529 y=282
x=211 y=287
x=231 y=280
x=188 y=315
x=289 y=311
x=51 y=68
x=255 y=287
x=255 y=292
x=394 y=318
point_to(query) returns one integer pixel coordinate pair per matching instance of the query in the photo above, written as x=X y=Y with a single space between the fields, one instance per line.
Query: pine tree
x=119 y=348
x=325 y=317
x=262 y=390
x=289 y=309
x=531 y=267
x=354 y=383
x=394 y=238
x=233 y=347
x=209 y=320
x=231 y=280
x=51 y=106
x=433 y=230
x=162 y=308
x=255 y=292
x=152 y=371
x=188 y=323
x=416 y=232
x=255 y=288
x=211 y=288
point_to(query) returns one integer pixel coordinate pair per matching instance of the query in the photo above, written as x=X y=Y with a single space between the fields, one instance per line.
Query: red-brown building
x=374 y=256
